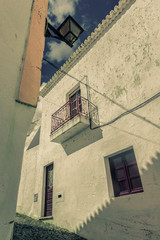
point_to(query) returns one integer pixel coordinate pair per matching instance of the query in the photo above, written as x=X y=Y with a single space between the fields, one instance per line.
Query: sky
x=88 y=13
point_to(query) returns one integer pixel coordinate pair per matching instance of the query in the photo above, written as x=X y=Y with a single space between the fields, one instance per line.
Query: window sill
x=46 y=218
x=130 y=193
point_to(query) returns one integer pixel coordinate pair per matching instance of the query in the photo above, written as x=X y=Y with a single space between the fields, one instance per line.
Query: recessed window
x=125 y=174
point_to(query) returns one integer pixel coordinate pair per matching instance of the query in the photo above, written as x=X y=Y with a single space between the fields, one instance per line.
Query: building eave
x=84 y=47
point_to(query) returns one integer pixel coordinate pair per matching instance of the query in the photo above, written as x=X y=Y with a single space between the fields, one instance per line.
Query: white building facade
x=91 y=161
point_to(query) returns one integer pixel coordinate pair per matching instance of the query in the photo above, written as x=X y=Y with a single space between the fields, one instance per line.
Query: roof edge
x=82 y=49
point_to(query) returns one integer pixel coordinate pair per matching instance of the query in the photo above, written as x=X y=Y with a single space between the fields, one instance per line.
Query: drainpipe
x=88 y=98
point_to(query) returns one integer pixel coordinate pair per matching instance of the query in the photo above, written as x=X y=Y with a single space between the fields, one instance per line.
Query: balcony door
x=48 y=191
x=75 y=104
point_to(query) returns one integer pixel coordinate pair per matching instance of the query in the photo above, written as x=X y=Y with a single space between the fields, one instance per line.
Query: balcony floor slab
x=70 y=129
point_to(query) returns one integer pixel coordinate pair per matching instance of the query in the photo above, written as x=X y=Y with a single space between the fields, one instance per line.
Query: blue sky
x=88 y=13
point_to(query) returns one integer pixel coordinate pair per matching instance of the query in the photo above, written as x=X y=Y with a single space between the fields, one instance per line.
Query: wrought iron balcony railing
x=78 y=106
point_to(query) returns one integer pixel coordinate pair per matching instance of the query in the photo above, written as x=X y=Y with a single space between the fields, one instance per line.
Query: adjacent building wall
x=15 y=22
x=122 y=69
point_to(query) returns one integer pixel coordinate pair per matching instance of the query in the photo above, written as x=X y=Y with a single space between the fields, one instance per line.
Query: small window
x=125 y=174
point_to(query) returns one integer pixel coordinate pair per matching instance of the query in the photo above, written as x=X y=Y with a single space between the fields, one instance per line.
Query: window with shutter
x=125 y=174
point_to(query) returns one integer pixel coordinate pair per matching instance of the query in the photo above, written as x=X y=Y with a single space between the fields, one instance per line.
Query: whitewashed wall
x=15 y=118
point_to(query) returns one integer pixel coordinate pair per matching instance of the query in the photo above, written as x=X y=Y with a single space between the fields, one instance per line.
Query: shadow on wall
x=130 y=217
x=81 y=140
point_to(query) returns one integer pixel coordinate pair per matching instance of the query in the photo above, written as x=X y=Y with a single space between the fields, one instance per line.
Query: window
x=125 y=174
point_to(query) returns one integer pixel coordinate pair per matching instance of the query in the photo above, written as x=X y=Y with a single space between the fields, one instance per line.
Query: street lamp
x=68 y=31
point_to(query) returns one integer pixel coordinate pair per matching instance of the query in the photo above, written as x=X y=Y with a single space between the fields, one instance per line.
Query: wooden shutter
x=134 y=177
x=75 y=104
x=121 y=178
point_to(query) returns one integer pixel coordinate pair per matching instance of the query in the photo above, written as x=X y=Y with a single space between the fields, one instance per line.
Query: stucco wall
x=123 y=65
x=31 y=76
x=15 y=20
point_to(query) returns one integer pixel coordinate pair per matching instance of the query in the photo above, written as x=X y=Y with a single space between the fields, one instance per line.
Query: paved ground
x=26 y=228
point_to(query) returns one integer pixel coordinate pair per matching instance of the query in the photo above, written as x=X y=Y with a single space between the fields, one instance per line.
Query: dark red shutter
x=75 y=104
x=134 y=177
x=121 y=178
x=49 y=190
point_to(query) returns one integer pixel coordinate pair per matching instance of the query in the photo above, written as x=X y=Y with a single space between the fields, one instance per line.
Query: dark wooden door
x=49 y=191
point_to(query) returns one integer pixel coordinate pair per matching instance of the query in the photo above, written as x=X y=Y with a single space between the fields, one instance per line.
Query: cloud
x=60 y=51
x=85 y=23
x=61 y=9
x=88 y=24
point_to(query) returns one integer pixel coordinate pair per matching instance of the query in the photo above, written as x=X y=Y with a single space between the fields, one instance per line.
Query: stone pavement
x=26 y=228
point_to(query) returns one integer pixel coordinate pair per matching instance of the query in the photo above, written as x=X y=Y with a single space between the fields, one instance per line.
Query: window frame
x=43 y=192
x=126 y=176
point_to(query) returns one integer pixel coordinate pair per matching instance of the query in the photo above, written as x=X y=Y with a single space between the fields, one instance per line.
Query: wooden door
x=49 y=191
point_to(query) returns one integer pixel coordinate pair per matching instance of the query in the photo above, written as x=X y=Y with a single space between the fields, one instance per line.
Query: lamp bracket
x=59 y=36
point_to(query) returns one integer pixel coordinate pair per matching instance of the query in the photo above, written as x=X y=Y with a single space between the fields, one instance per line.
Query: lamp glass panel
x=70 y=37
x=74 y=28
x=64 y=29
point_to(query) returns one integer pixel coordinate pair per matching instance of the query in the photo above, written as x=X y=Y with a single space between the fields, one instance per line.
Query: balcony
x=72 y=118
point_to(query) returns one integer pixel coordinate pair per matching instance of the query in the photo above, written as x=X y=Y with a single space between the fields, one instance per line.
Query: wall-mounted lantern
x=68 y=31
